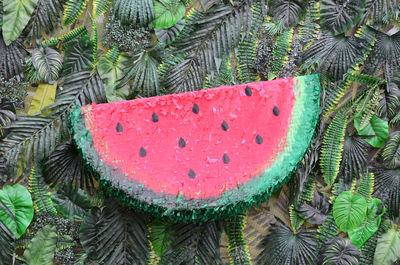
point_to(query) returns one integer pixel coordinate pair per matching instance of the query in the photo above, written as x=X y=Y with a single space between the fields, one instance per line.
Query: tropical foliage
x=342 y=205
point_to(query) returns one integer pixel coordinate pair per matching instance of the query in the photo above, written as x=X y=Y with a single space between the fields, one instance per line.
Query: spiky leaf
x=349 y=210
x=387 y=186
x=391 y=151
x=48 y=63
x=134 y=11
x=332 y=146
x=42 y=197
x=354 y=157
x=100 y=7
x=340 y=16
x=16 y=208
x=288 y=11
x=17 y=14
x=73 y=8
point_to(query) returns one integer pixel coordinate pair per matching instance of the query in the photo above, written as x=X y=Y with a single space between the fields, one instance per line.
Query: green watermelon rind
x=181 y=209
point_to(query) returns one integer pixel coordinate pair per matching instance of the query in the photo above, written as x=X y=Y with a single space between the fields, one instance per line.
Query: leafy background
x=342 y=205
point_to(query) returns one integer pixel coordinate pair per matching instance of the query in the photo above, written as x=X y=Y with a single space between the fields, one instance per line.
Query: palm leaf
x=7 y=115
x=205 y=37
x=283 y=246
x=338 y=16
x=380 y=11
x=35 y=137
x=332 y=147
x=41 y=195
x=45 y=18
x=288 y=11
x=167 y=36
x=7 y=245
x=391 y=151
x=12 y=59
x=48 y=63
x=78 y=57
x=308 y=27
x=340 y=251
x=354 y=157
x=387 y=188
x=223 y=77
x=72 y=10
x=139 y=12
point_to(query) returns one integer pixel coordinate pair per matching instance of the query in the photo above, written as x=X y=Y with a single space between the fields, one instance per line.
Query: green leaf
x=388 y=248
x=168 y=13
x=71 y=204
x=339 y=251
x=361 y=234
x=159 y=234
x=18 y=213
x=7 y=116
x=73 y=9
x=391 y=151
x=48 y=63
x=340 y=16
x=167 y=36
x=45 y=95
x=349 y=211
x=100 y=7
x=17 y=13
x=41 y=249
x=376 y=127
x=288 y=12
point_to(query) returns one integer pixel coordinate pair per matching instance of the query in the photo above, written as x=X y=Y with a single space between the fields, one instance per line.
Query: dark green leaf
x=139 y=12
x=339 y=251
x=71 y=204
x=7 y=115
x=316 y=211
x=288 y=11
x=349 y=210
x=354 y=157
x=377 y=128
x=48 y=63
x=387 y=187
x=391 y=151
x=168 y=35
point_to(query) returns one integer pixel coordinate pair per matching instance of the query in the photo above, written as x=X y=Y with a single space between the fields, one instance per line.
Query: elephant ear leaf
x=16 y=208
x=17 y=14
x=391 y=151
x=361 y=234
x=388 y=247
x=168 y=13
x=340 y=16
x=47 y=62
x=349 y=211
x=41 y=249
x=376 y=128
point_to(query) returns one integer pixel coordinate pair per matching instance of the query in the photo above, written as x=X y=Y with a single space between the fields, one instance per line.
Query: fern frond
x=35 y=137
x=367 y=107
x=64 y=242
x=247 y=50
x=100 y=7
x=73 y=8
x=223 y=77
x=366 y=80
x=42 y=197
x=308 y=27
x=113 y=54
x=95 y=41
x=335 y=93
x=332 y=147
x=238 y=250
x=134 y=11
x=67 y=39
x=280 y=53
x=366 y=187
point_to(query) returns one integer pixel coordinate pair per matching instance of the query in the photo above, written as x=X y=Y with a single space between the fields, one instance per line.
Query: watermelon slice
x=200 y=155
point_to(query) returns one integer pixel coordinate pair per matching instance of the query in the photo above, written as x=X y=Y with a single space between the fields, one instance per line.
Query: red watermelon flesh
x=197 y=144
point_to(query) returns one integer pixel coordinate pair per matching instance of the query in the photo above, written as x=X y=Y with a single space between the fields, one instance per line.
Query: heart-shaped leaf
x=376 y=128
x=168 y=13
x=41 y=249
x=47 y=62
x=16 y=208
x=388 y=247
x=361 y=234
x=349 y=210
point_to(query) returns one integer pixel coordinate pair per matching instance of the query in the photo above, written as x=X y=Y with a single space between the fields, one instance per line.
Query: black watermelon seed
x=119 y=127
x=248 y=91
x=192 y=175
x=226 y=159
x=276 y=111
x=182 y=143
x=224 y=126
x=154 y=117
x=259 y=139
x=142 y=152
x=195 y=108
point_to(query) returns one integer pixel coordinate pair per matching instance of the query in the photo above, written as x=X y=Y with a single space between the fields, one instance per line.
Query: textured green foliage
x=388 y=247
x=354 y=157
x=280 y=53
x=332 y=146
x=340 y=16
x=41 y=196
x=167 y=36
x=391 y=151
x=369 y=226
x=134 y=11
x=366 y=80
x=48 y=63
x=237 y=246
x=366 y=187
x=349 y=210
x=282 y=240
x=71 y=204
x=376 y=128
x=100 y=7
x=40 y=250
x=73 y=8
x=288 y=11
x=339 y=251
x=334 y=93
x=316 y=211
x=16 y=208
x=7 y=115
x=168 y=12
x=12 y=59
x=7 y=245
x=78 y=57
x=367 y=107
x=17 y=15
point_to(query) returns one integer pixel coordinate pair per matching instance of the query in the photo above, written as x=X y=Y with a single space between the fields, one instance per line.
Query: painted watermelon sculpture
x=200 y=155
